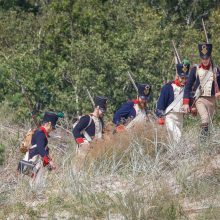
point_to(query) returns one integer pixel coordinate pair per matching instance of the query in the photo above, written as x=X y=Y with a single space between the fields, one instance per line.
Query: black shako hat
x=144 y=90
x=51 y=117
x=205 y=50
x=101 y=102
x=182 y=69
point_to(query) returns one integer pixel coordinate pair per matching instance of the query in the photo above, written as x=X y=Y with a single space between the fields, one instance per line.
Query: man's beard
x=142 y=105
x=101 y=115
x=182 y=83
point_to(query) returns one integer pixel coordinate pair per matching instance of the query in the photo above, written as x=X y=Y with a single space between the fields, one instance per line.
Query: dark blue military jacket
x=39 y=138
x=125 y=112
x=165 y=99
x=83 y=125
x=193 y=83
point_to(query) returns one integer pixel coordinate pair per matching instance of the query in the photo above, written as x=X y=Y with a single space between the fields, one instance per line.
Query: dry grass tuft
x=133 y=175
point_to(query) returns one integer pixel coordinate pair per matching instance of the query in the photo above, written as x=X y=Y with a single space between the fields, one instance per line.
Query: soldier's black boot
x=204 y=135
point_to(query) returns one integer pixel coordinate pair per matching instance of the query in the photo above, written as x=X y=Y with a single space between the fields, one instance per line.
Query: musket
x=135 y=87
x=207 y=39
x=66 y=130
x=198 y=92
x=175 y=59
x=90 y=97
x=206 y=35
x=176 y=53
x=133 y=82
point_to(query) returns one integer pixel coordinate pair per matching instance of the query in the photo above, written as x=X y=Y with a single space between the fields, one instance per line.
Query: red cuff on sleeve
x=185 y=101
x=161 y=121
x=79 y=140
x=46 y=160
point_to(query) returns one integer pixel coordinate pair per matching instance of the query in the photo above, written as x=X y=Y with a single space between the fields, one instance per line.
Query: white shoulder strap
x=175 y=102
x=197 y=67
x=215 y=69
x=86 y=135
x=202 y=82
x=90 y=121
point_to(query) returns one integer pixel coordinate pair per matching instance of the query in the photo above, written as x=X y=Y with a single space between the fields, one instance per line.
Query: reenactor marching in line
x=37 y=156
x=170 y=103
x=90 y=127
x=204 y=80
x=133 y=112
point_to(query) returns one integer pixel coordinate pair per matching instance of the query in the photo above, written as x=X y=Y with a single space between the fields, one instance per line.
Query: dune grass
x=134 y=175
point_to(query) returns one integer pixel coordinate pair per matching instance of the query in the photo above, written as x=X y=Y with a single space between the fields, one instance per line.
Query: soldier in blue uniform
x=133 y=112
x=39 y=140
x=170 y=103
x=90 y=126
x=204 y=80
x=38 y=154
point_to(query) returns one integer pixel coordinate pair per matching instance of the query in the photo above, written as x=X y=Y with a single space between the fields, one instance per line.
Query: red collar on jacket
x=44 y=130
x=177 y=82
x=135 y=101
x=205 y=67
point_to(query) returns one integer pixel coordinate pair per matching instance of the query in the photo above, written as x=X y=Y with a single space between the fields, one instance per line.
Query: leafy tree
x=65 y=46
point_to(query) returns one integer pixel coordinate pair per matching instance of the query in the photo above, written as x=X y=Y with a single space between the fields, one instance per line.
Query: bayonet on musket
x=206 y=35
x=90 y=97
x=133 y=82
x=176 y=53
x=175 y=59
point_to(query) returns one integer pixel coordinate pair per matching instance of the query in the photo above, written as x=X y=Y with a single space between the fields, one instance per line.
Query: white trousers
x=174 y=125
x=39 y=178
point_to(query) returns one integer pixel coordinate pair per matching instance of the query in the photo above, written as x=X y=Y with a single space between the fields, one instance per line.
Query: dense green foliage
x=56 y=48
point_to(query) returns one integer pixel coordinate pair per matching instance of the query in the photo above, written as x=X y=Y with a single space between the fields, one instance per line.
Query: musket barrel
x=206 y=35
x=133 y=82
x=175 y=58
x=90 y=97
x=176 y=52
